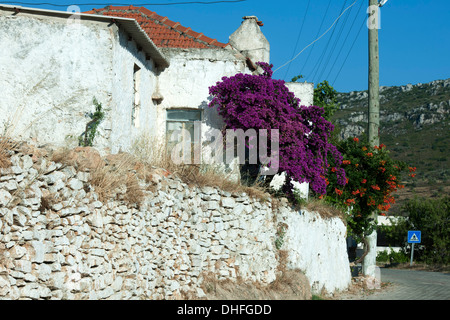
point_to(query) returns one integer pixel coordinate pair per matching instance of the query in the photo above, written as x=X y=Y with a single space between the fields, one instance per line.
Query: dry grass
x=152 y=152
x=6 y=145
x=134 y=194
x=111 y=175
x=324 y=209
x=47 y=202
x=114 y=176
x=61 y=155
x=288 y=285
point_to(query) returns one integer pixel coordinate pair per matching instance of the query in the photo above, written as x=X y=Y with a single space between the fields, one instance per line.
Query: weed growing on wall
x=91 y=126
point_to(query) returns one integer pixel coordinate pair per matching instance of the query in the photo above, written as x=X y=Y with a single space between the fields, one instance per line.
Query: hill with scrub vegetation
x=414 y=122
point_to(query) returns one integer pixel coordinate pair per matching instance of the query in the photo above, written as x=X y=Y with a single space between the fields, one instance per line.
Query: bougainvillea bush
x=373 y=176
x=259 y=102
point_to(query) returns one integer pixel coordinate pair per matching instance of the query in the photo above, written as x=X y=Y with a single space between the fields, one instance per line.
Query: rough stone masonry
x=77 y=247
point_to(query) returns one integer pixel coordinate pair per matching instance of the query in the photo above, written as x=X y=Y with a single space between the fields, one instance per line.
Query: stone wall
x=59 y=241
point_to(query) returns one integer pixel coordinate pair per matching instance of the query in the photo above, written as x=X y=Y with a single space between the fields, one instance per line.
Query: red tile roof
x=163 y=32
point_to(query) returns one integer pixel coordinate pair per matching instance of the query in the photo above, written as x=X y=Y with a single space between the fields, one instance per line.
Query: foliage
x=392 y=256
x=325 y=96
x=372 y=177
x=294 y=79
x=281 y=233
x=91 y=127
x=431 y=217
x=260 y=102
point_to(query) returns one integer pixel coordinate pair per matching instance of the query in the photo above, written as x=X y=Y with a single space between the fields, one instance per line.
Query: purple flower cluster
x=260 y=102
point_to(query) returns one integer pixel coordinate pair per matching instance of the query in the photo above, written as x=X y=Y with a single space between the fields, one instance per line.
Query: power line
x=298 y=37
x=317 y=38
x=334 y=45
x=319 y=62
x=345 y=41
x=120 y=4
x=351 y=48
x=318 y=32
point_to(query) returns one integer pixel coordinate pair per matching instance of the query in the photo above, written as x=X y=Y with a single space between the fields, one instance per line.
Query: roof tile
x=164 y=32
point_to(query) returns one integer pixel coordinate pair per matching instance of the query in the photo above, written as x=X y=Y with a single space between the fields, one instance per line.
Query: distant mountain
x=414 y=125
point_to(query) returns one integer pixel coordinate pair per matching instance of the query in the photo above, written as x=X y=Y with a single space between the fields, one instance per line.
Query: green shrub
x=431 y=216
x=390 y=256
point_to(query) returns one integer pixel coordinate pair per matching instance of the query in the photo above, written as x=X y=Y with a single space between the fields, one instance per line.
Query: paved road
x=413 y=285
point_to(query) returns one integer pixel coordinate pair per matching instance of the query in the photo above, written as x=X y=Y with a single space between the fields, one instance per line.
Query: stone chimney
x=250 y=41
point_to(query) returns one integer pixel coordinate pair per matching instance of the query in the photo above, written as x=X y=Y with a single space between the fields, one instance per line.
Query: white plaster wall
x=318 y=247
x=49 y=73
x=302 y=90
x=250 y=40
x=123 y=131
x=185 y=84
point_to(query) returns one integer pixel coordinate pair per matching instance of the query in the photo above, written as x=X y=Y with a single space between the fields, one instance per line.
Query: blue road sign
x=414 y=236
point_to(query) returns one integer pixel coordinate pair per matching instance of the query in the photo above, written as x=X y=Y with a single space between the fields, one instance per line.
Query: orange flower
x=375 y=187
x=356 y=165
x=382 y=169
x=364 y=181
x=364 y=148
x=356 y=139
x=412 y=175
x=339 y=192
x=350 y=201
x=411 y=169
x=333 y=169
x=370 y=154
x=383 y=162
x=355 y=192
x=346 y=162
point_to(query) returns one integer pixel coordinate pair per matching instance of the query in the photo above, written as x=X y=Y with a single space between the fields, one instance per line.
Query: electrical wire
x=345 y=41
x=319 y=62
x=317 y=38
x=336 y=41
x=318 y=32
x=298 y=37
x=351 y=48
x=119 y=4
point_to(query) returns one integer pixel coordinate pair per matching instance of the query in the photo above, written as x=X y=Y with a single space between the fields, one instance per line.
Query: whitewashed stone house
x=52 y=65
x=151 y=74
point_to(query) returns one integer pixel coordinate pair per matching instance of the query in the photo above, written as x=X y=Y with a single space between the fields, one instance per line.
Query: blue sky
x=414 y=35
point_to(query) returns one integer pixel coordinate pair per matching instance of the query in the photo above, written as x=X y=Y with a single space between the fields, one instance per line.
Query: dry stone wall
x=59 y=241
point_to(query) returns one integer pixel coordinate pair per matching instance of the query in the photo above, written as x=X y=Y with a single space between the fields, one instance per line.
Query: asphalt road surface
x=412 y=285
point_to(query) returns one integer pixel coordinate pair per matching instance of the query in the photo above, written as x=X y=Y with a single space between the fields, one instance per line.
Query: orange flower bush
x=372 y=178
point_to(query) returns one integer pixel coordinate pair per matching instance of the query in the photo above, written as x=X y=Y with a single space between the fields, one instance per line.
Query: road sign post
x=413 y=238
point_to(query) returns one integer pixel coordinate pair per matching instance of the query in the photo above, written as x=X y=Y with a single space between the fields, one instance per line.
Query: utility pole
x=369 y=262
x=374 y=74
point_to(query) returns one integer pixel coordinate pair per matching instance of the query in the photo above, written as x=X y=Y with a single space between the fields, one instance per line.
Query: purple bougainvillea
x=260 y=102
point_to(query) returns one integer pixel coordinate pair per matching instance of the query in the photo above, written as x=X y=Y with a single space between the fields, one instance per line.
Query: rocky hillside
x=414 y=125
